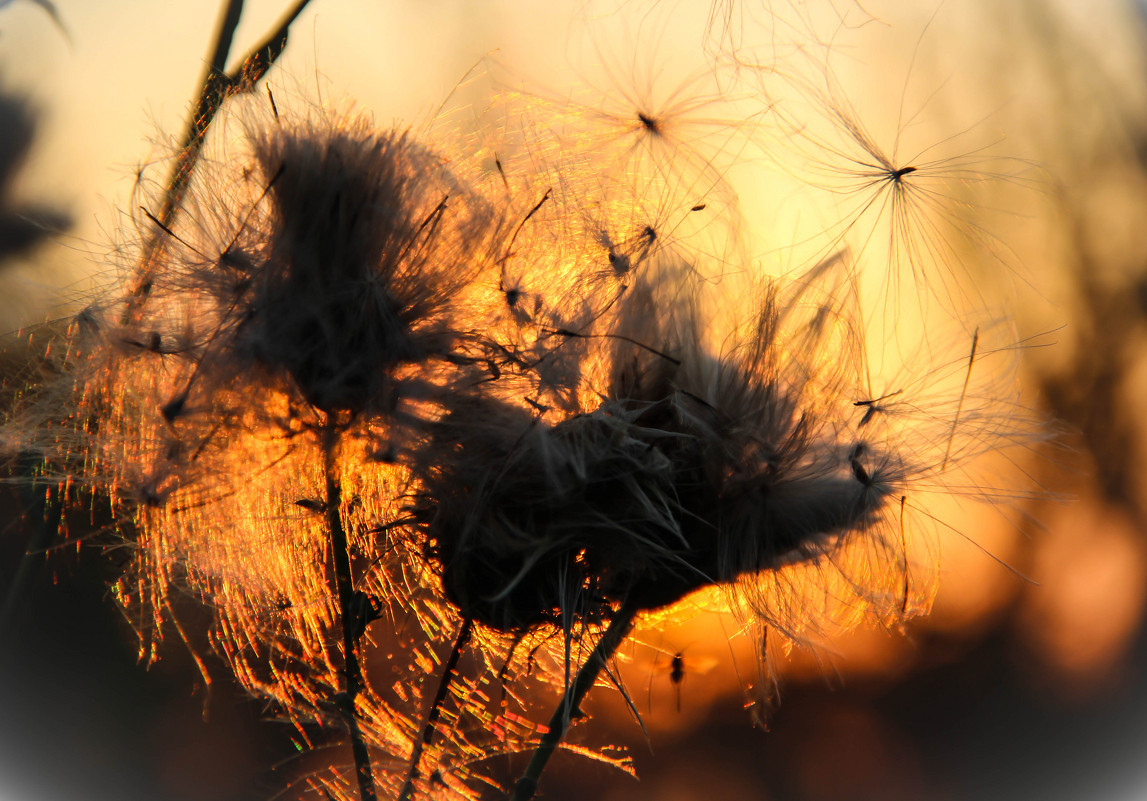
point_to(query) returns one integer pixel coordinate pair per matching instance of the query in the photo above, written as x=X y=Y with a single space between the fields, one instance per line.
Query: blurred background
x=1029 y=678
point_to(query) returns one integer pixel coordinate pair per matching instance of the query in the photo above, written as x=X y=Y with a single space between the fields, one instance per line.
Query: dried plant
x=429 y=428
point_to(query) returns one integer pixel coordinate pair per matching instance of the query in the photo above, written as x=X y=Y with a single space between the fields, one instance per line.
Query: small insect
x=677 y=670
x=677 y=675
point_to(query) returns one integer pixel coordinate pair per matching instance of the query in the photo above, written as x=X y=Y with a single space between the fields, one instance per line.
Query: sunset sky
x=1049 y=594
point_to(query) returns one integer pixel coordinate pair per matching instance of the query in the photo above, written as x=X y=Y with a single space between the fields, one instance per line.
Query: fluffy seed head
x=693 y=468
x=370 y=235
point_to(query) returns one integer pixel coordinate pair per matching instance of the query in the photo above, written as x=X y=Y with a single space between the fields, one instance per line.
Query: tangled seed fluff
x=526 y=388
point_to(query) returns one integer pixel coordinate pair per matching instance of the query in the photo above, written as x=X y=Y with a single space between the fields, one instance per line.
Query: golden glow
x=881 y=272
x=1091 y=570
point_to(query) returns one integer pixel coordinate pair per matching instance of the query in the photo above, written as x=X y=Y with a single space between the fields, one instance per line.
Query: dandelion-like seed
x=918 y=211
x=334 y=270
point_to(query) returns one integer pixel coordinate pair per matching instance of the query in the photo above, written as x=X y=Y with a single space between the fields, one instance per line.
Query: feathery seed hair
x=520 y=398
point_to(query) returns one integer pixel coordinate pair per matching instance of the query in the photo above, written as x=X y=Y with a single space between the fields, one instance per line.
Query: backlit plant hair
x=507 y=408
x=922 y=212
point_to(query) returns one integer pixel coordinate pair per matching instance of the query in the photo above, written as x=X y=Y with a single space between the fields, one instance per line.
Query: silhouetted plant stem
x=340 y=556
x=435 y=708
x=213 y=89
x=216 y=86
x=614 y=635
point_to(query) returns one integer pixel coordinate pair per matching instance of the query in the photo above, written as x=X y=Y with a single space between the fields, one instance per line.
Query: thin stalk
x=435 y=709
x=216 y=86
x=344 y=583
x=614 y=635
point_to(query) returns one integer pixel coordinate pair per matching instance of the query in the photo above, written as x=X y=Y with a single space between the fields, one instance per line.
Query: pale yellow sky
x=132 y=68
x=128 y=76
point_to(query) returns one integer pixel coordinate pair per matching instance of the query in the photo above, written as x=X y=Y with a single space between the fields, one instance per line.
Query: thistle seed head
x=369 y=236
x=692 y=469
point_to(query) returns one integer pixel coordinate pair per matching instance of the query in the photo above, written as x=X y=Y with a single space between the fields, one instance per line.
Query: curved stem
x=340 y=555
x=614 y=635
